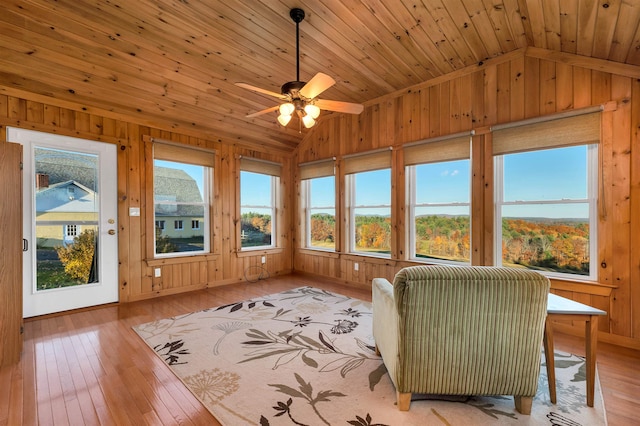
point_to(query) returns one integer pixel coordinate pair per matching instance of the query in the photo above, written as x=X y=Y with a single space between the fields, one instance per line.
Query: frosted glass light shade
x=284 y=119
x=287 y=109
x=312 y=110
x=308 y=121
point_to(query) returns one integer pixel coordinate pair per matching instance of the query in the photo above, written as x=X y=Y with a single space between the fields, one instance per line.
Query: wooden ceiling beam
x=603 y=65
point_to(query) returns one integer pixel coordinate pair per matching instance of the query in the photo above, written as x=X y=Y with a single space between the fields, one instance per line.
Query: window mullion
x=560 y=201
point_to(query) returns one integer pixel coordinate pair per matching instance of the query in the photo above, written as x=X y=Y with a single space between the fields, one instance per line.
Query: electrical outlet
x=356 y=267
x=157 y=272
x=264 y=259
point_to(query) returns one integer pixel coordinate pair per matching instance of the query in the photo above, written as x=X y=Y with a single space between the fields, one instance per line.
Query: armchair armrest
x=385 y=323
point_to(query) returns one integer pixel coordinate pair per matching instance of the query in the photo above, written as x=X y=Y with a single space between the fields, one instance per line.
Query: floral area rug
x=306 y=357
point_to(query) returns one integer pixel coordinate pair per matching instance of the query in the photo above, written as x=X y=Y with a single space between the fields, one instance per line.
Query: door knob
x=112 y=232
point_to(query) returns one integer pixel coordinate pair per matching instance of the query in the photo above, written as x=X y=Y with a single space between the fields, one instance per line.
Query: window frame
x=71 y=230
x=186 y=154
x=410 y=171
x=309 y=172
x=308 y=209
x=592 y=179
x=568 y=128
x=273 y=170
x=178 y=224
x=440 y=149
x=354 y=165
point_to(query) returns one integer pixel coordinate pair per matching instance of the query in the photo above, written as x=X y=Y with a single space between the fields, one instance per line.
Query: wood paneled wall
x=525 y=84
x=136 y=272
x=522 y=84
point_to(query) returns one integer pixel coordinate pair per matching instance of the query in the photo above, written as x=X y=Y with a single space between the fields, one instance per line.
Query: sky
x=557 y=174
x=257 y=187
x=537 y=175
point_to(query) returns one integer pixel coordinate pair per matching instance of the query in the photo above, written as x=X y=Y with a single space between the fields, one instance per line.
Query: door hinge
x=21 y=165
x=22 y=329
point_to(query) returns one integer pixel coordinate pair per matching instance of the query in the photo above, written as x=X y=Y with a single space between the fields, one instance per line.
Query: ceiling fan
x=301 y=97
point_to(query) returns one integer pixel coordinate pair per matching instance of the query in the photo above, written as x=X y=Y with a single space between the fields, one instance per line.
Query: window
x=546 y=204
x=72 y=230
x=319 y=204
x=321 y=212
x=181 y=188
x=439 y=188
x=368 y=188
x=195 y=224
x=258 y=194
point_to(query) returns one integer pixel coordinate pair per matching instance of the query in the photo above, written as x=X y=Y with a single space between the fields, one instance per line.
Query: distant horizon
x=530 y=218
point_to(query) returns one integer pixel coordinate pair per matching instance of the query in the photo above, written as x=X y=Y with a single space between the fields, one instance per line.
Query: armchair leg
x=523 y=404
x=404 y=400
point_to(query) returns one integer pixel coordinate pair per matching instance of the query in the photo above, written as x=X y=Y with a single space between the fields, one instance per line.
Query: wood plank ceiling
x=172 y=64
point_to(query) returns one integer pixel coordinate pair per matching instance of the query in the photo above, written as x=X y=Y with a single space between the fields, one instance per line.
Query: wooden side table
x=561 y=308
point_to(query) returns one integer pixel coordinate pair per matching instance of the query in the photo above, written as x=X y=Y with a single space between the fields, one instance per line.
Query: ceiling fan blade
x=318 y=84
x=339 y=106
x=264 y=111
x=259 y=90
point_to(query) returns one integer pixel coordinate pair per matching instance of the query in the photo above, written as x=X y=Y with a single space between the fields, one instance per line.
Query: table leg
x=549 y=359
x=591 y=334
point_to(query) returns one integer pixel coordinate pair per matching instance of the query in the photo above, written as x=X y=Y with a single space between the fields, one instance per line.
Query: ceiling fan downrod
x=297 y=15
x=293 y=87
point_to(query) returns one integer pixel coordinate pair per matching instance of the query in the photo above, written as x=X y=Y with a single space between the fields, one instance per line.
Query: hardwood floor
x=90 y=367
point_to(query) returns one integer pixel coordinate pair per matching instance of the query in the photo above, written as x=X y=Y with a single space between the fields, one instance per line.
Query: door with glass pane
x=70 y=212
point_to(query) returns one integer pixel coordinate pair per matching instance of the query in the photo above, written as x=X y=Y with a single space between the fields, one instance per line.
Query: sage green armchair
x=461 y=330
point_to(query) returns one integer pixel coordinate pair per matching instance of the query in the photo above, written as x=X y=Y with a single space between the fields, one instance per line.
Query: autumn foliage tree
x=77 y=257
x=561 y=246
x=373 y=233
x=552 y=245
x=256 y=227
x=323 y=226
x=443 y=237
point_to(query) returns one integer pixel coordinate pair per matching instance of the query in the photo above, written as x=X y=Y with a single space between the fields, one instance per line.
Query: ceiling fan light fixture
x=308 y=121
x=287 y=108
x=300 y=97
x=312 y=110
x=284 y=119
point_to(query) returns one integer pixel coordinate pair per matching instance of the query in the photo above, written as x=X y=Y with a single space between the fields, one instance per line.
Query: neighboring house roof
x=63 y=166
x=175 y=185
x=68 y=197
x=170 y=185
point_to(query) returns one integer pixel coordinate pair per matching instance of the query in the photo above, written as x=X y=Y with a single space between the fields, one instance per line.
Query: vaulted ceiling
x=173 y=64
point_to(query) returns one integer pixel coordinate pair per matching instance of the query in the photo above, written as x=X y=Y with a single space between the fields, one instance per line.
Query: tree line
x=557 y=245
x=255 y=229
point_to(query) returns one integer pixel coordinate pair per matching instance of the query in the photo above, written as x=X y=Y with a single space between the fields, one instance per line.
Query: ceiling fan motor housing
x=292 y=88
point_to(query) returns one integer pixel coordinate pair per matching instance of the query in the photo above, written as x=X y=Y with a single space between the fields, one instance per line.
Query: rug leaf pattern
x=307 y=357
